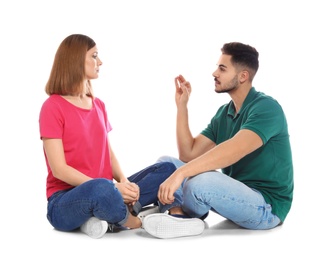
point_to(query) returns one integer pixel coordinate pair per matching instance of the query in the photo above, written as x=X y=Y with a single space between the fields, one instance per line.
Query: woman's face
x=93 y=63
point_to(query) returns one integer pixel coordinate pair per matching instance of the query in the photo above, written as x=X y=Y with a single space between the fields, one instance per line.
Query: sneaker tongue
x=179 y=216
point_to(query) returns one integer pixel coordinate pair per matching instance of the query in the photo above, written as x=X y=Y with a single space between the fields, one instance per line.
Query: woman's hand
x=130 y=192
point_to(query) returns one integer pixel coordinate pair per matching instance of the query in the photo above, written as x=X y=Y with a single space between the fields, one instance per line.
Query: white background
x=144 y=45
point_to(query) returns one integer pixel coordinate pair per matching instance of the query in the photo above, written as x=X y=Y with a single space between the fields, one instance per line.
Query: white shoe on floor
x=94 y=227
x=147 y=211
x=162 y=225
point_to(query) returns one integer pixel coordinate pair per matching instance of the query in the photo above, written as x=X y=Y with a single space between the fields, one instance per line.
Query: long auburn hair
x=68 y=70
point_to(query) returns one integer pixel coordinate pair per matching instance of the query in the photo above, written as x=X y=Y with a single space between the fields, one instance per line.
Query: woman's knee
x=104 y=188
x=167 y=167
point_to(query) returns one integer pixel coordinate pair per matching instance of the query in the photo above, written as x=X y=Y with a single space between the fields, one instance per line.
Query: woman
x=86 y=187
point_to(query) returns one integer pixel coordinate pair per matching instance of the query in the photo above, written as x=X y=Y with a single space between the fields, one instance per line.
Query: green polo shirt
x=268 y=169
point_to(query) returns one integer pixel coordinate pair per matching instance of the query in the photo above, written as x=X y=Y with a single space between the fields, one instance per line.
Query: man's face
x=225 y=76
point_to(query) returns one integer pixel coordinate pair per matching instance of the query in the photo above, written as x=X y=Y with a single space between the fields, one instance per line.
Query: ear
x=243 y=76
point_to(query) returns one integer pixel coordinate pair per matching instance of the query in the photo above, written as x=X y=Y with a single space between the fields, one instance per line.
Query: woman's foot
x=94 y=227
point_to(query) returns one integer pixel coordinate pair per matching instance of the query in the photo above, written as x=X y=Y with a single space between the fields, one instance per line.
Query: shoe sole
x=162 y=225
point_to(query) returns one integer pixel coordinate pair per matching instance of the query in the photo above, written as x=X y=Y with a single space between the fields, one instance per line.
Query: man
x=247 y=139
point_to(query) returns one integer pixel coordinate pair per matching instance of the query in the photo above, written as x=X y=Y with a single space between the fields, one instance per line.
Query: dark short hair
x=242 y=55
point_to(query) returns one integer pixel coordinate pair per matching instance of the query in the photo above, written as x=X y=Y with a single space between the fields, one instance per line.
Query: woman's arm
x=54 y=151
x=129 y=190
x=116 y=167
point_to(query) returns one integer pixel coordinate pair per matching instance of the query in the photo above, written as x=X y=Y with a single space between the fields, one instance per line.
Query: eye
x=94 y=55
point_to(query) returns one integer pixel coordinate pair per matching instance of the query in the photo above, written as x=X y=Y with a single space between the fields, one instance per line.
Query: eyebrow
x=222 y=66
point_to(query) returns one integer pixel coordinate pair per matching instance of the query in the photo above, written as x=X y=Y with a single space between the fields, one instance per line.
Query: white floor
x=296 y=239
x=136 y=83
x=307 y=231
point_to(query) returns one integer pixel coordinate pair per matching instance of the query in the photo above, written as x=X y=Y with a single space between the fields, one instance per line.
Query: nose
x=214 y=74
x=99 y=62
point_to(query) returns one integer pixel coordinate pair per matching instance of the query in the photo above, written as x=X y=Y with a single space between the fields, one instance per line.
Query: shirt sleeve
x=266 y=119
x=51 y=120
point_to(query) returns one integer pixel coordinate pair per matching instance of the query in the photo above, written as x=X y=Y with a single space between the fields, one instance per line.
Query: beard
x=228 y=87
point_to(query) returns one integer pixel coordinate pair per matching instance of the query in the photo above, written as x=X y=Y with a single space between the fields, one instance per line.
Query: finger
x=185 y=90
x=166 y=197
x=181 y=78
x=133 y=186
x=161 y=196
x=132 y=195
x=170 y=197
x=177 y=84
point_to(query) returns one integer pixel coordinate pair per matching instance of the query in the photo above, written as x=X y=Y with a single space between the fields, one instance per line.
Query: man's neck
x=239 y=95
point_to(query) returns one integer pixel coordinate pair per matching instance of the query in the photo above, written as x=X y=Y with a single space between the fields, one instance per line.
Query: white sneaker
x=162 y=225
x=94 y=227
x=147 y=211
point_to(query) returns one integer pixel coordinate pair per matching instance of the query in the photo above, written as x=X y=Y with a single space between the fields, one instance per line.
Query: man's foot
x=162 y=225
x=94 y=227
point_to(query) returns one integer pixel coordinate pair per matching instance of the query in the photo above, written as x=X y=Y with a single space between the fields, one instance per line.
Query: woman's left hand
x=130 y=192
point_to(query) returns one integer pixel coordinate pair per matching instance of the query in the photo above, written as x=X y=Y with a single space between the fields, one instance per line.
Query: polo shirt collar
x=250 y=96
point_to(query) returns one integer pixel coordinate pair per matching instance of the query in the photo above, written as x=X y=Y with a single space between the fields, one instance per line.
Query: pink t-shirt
x=84 y=133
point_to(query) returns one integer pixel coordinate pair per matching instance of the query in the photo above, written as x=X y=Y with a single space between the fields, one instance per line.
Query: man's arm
x=224 y=154
x=221 y=156
x=188 y=146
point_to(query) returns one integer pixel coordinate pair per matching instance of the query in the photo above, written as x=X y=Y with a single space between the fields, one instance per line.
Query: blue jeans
x=226 y=196
x=67 y=210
